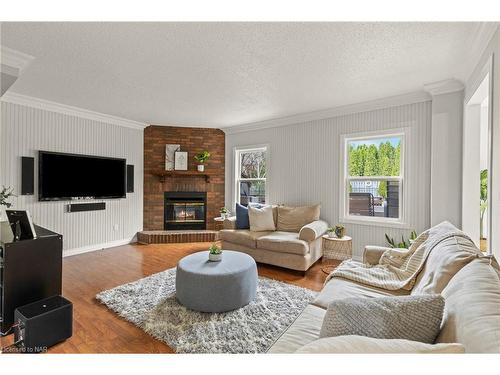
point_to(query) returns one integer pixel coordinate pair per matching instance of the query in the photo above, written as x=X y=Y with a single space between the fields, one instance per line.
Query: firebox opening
x=185 y=210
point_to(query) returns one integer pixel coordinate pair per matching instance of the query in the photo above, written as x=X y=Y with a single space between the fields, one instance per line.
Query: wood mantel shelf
x=163 y=174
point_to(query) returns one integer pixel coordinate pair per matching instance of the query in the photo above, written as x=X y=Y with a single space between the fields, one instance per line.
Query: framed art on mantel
x=170 y=151
x=181 y=161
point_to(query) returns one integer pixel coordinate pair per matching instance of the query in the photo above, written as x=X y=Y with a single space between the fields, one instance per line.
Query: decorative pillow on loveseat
x=415 y=318
x=261 y=218
x=292 y=219
x=242 y=220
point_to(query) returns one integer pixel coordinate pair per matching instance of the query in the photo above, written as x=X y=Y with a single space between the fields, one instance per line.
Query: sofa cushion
x=416 y=318
x=243 y=237
x=283 y=242
x=447 y=258
x=261 y=218
x=472 y=313
x=363 y=345
x=304 y=330
x=311 y=231
x=291 y=219
x=242 y=220
x=338 y=288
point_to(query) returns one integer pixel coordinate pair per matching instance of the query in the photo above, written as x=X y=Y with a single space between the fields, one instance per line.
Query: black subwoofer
x=42 y=324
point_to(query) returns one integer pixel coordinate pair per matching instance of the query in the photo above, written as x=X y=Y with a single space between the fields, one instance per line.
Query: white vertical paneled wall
x=305 y=162
x=25 y=130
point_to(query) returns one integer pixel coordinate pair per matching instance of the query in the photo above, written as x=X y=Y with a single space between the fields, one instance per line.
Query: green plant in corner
x=404 y=244
x=5 y=194
x=214 y=249
x=483 y=202
x=202 y=157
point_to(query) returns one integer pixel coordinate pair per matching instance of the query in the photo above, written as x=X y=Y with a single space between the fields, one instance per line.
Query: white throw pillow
x=362 y=344
x=261 y=219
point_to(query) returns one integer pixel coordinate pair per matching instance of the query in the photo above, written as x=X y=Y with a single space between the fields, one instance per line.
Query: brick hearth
x=171 y=236
x=192 y=140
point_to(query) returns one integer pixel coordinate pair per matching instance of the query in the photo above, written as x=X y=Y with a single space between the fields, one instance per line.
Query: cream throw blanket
x=398 y=268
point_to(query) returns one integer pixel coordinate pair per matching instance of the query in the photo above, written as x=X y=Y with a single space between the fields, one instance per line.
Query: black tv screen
x=68 y=176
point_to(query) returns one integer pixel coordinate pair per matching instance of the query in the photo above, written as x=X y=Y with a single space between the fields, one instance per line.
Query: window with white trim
x=250 y=172
x=373 y=178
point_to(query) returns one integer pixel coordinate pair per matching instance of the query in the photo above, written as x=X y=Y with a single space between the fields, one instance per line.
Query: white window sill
x=378 y=222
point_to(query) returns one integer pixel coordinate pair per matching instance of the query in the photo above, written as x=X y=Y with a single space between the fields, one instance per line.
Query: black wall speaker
x=27 y=175
x=130 y=178
x=81 y=207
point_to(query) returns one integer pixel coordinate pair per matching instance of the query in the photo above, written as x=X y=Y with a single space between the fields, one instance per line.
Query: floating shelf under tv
x=163 y=174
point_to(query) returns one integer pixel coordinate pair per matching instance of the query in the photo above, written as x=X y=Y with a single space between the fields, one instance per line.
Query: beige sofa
x=292 y=250
x=469 y=282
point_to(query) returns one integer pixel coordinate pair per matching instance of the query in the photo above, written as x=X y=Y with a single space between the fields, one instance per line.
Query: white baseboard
x=96 y=247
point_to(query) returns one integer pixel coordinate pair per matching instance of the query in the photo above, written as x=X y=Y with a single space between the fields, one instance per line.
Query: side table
x=335 y=249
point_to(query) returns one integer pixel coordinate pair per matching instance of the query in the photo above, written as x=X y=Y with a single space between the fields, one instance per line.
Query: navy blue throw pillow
x=242 y=220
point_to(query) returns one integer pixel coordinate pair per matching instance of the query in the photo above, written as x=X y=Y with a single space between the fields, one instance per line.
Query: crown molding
x=479 y=40
x=393 y=101
x=29 y=101
x=12 y=58
x=446 y=86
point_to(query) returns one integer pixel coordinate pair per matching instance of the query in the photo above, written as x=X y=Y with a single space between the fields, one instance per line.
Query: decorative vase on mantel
x=201 y=158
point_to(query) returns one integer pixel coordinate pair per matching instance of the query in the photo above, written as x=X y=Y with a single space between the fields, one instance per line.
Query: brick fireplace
x=192 y=140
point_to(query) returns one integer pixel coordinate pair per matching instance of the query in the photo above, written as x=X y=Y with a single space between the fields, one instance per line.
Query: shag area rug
x=150 y=304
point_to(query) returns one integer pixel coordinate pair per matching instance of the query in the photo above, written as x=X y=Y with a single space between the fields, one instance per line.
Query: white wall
x=305 y=159
x=446 y=158
x=25 y=130
x=473 y=82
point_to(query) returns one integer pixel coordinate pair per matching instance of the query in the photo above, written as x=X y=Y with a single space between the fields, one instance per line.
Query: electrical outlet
x=115 y=227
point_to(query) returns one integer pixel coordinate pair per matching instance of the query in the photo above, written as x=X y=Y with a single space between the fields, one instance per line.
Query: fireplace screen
x=184 y=210
x=192 y=212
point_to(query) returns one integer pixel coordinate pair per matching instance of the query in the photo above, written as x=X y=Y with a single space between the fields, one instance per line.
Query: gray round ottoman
x=216 y=286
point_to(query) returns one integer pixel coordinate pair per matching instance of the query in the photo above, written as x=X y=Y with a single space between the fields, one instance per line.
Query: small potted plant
x=214 y=253
x=339 y=231
x=5 y=194
x=413 y=236
x=201 y=158
x=224 y=212
x=331 y=232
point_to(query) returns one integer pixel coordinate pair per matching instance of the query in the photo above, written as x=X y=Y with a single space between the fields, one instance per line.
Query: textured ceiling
x=224 y=74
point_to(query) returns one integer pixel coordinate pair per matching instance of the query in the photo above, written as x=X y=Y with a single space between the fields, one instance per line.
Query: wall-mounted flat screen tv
x=69 y=176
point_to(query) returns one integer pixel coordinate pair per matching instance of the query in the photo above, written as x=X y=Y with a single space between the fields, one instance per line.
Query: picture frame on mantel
x=181 y=161
x=170 y=151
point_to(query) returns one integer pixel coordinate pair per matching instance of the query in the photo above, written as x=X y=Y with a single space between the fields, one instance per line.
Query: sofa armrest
x=372 y=254
x=229 y=222
x=312 y=231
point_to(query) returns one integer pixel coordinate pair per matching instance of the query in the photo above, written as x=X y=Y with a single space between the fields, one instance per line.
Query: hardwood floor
x=97 y=329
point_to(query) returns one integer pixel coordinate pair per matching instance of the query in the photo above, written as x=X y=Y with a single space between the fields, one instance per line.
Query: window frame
x=237 y=151
x=345 y=179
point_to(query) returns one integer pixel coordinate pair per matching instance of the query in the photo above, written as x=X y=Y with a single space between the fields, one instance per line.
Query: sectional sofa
x=468 y=280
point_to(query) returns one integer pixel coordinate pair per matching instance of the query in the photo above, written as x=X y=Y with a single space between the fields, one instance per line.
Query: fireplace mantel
x=163 y=174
